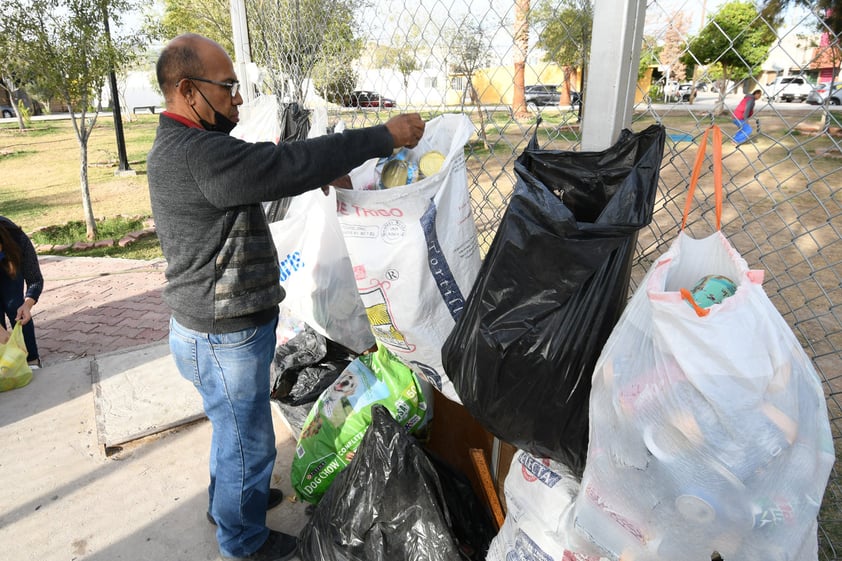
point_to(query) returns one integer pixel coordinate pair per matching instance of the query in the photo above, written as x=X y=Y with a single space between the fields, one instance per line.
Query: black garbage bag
x=306 y=348
x=387 y=505
x=471 y=520
x=301 y=370
x=295 y=125
x=550 y=290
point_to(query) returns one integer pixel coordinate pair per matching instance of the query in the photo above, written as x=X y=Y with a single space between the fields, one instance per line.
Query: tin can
x=397 y=170
x=431 y=163
x=696 y=506
x=769 y=512
x=394 y=173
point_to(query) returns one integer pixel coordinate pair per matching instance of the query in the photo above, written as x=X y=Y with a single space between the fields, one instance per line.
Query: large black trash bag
x=471 y=520
x=550 y=291
x=387 y=505
x=301 y=370
x=295 y=125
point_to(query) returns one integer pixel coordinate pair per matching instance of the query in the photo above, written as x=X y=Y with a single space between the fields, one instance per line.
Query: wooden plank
x=488 y=490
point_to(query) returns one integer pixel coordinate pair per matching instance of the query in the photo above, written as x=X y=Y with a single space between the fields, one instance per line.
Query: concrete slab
x=62 y=499
x=139 y=392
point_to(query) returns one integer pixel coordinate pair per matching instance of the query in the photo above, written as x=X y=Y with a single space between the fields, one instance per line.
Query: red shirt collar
x=182 y=120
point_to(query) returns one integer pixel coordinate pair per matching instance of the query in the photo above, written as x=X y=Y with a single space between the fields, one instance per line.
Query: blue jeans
x=744 y=130
x=231 y=372
x=11 y=298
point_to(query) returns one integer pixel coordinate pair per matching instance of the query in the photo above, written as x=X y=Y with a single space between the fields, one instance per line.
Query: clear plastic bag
x=709 y=428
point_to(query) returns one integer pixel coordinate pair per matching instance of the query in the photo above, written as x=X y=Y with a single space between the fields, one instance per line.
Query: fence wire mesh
x=366 y=61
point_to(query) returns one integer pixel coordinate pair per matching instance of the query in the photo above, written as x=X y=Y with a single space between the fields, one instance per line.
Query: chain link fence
x=365 y=61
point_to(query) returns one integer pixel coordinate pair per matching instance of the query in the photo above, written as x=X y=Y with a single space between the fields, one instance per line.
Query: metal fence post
x=609 y=93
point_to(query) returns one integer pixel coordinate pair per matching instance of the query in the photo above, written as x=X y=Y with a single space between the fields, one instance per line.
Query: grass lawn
x=40 y=169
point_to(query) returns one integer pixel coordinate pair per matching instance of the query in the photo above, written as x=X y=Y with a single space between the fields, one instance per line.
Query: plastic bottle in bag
x=603 y=521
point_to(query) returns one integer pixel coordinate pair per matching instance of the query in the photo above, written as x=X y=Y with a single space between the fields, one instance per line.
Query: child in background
x=21 y=284
x=742 y=114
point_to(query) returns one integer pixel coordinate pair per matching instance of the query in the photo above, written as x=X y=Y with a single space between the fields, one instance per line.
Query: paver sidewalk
x=94 y=305
x=62 y=498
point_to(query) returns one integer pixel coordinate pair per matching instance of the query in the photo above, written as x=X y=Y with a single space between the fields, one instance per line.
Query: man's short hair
x=755 y=92
x=178 y=60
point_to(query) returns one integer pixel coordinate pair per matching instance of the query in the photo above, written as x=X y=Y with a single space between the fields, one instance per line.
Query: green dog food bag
x=340 y=417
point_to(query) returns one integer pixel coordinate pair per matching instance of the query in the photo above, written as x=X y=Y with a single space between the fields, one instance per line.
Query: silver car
x=819 y=94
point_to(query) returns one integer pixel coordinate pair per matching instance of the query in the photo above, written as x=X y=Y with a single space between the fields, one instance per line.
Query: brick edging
x=130 y=238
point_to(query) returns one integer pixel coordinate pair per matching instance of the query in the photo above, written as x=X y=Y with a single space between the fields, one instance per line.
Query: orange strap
x=717 y=173
x=687 y=295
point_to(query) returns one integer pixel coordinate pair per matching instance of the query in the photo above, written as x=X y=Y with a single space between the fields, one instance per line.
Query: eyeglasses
x=233 y=87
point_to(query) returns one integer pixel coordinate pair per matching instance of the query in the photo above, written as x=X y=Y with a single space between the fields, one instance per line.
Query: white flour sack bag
x=414 y=250
x=539 y=500
x=316 y=272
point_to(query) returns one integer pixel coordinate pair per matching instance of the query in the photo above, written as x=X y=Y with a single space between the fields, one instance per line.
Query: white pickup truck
x=789 y=88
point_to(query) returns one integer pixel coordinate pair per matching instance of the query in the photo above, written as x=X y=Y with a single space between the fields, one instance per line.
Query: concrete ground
x=61 y=497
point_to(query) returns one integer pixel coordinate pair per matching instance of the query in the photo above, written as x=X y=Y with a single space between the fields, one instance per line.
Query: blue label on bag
x=290 y=264
x=439 y=267
x=525 y=549
x=538 y=470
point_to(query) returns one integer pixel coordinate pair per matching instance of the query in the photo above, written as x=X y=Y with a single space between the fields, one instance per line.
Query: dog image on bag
x=335 y=404
x=338 y=398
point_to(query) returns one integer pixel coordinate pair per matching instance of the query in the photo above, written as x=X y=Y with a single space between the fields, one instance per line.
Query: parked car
x=541 y=94
x=544 y=95
x=788 y=89
x=365 y=98
x=7 y=111
x=685 y=92
x=819 y=94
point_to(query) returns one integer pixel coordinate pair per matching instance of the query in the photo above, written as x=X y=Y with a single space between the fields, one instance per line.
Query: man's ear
x=184 y=88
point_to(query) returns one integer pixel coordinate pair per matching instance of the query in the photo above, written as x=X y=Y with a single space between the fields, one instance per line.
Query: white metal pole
x=242 y=49
x=617 y=28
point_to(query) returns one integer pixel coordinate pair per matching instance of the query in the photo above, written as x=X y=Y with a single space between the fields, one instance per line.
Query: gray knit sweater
x=206 y=189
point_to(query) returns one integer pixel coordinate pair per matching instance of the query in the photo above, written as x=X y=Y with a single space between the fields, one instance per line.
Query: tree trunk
x=475 y=96
x=521 y=48
x=566 y=97
x=83 y=130
x=7 y=85
x=719 y=107
x=21 y=124
x=90 y=222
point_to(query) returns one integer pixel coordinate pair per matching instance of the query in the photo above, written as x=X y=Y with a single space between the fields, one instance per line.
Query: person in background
x=21 y=284
x=743 y=112
x=206 y=189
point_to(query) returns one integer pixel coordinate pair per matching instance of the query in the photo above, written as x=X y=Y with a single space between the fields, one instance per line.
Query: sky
x=385 y=16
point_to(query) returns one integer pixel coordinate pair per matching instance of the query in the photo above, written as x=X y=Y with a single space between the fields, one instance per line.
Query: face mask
x=221 y=122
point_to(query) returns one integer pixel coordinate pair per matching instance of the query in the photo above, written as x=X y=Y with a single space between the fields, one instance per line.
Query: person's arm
x=33 y=278
x=4 y=336
x=231 y=172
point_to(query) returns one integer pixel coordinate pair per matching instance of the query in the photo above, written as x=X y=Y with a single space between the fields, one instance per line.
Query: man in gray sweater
x=206 y=189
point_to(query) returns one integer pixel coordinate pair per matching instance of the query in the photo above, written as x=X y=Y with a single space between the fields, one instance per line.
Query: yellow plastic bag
x=14 y=371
